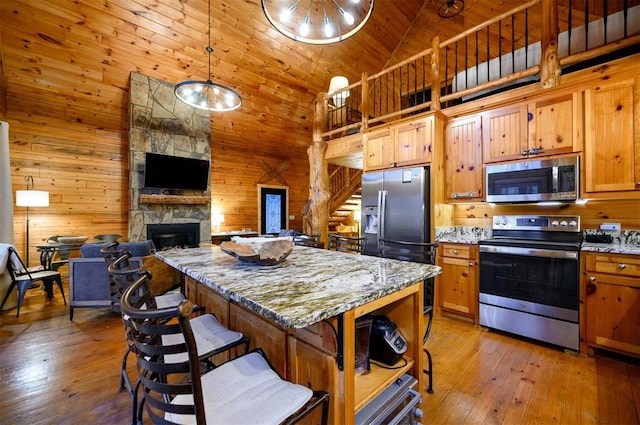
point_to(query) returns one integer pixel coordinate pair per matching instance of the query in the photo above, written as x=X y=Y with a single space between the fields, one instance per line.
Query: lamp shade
x=32 y=198
x=338 y=83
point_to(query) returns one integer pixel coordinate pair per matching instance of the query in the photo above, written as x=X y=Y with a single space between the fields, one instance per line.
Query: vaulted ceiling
x=71 y=59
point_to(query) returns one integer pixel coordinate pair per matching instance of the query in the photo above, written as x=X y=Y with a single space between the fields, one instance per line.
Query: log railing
x=517 y=47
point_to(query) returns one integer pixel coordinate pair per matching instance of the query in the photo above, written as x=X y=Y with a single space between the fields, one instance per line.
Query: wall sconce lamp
x=336 y=86
x=31 y=198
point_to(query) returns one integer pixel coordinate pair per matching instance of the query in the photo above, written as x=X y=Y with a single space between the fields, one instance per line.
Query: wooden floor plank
x=53 y=370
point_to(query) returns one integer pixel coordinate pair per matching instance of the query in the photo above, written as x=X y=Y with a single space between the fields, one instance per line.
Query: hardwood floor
x=54 y=371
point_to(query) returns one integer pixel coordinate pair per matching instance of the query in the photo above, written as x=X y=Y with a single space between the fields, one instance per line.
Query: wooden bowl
x=266 y=254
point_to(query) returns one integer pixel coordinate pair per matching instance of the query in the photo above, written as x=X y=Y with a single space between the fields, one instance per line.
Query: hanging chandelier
x=318 y=21
x=207 y=94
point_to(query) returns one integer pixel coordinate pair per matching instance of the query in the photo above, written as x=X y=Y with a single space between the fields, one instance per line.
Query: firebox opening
x=176 y=235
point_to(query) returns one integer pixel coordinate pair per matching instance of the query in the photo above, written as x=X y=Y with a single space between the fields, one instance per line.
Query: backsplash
x=626 y=237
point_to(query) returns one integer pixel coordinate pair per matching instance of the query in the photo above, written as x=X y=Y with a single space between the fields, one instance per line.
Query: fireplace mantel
x=175 y=199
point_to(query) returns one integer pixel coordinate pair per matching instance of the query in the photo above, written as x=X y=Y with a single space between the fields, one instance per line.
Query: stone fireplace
x=160 y=123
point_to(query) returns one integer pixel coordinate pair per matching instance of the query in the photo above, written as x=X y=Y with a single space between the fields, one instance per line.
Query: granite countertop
x=612 y=248
x=309 y=286
x=462 y=234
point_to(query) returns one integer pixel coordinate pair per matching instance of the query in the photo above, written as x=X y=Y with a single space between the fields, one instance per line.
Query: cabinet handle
x=622 y=266
x=455 y=252
x=471 y=263
x=592 y=278
x=524 y=153
x=463 y=195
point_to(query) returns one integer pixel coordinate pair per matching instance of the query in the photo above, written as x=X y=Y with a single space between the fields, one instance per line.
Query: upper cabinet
x=463 y=159
x=405 y=144
x=612 y=140
x=550 y=125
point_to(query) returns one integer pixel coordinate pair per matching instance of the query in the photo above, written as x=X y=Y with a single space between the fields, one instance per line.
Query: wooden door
x=378 y=150
x=612 y=138
x=456 y=285
x=414 y=142
x=555 y=127
x=463 y=159
x=263 y=334
x=504 y=133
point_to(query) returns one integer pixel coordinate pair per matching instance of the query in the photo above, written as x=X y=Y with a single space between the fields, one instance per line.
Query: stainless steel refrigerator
x=395 y=205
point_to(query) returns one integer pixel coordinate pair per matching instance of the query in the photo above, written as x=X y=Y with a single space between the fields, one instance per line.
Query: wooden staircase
x=346 y=190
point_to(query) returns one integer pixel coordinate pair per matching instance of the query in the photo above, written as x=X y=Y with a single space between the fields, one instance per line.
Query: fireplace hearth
x=174 y=235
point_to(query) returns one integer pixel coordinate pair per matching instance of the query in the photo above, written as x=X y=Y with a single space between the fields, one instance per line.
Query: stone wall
x=160 y=123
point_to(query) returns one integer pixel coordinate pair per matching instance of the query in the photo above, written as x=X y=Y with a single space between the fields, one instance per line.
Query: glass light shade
x=318 y=21
x=32 y=198
x=208 y=95
x=338 y=83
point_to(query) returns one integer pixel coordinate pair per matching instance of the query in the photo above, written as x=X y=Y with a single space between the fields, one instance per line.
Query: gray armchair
x=88 y=276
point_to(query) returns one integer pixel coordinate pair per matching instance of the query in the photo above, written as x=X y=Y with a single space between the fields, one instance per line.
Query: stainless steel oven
x=529 y=278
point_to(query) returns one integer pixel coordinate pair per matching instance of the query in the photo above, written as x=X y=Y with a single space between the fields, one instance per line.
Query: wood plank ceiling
x=72 y=59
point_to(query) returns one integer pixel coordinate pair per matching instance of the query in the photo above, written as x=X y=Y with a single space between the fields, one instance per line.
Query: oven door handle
x=530 y=252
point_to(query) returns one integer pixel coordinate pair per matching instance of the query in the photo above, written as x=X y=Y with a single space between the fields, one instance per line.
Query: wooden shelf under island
x=303 y=312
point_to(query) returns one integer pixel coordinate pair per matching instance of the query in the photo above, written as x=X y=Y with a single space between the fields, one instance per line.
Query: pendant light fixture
x=207 y=94
x=318 y=21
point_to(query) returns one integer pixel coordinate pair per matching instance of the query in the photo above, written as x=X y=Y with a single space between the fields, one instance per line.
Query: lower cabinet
x=610 y=298
x=457 y=285
x=312 y=356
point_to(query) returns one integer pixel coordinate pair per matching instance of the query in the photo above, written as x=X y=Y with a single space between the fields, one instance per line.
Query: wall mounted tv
x=175 y=172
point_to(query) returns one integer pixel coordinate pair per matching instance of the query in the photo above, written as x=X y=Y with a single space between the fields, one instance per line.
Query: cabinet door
x=555 y=127
x=613 y=313
x=504 y=133
x=263 y=334
x=456 y=285
x=190 y=289
x=612 y=145
x=378 y=150
x=414 y=142
x=216 y=304
x=463 y=159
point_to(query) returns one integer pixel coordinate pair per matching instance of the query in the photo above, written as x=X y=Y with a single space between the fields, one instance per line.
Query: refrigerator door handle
x=382 y=212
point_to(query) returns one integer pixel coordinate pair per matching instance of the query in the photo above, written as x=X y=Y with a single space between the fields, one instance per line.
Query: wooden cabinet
x=263 y=334
x=457 y=286
x=311 y=356
x=550 y=125
x=378 y=150
x=610 y=295
x=612 y=141
x=401 y=145
x=463 y=159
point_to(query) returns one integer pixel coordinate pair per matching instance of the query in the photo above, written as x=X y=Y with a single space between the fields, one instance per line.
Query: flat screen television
x=175 y=172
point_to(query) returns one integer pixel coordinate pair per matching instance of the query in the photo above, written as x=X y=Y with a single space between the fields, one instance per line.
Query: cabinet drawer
x=456 y=251
x=613 y=264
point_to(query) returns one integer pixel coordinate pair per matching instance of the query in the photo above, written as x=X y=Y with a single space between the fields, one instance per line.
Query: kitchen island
x=303 y=313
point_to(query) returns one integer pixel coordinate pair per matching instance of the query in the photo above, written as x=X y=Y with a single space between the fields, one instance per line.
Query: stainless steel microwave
x=533 y=181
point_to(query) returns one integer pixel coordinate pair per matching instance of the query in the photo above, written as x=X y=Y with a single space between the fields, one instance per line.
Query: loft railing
x=518 y=47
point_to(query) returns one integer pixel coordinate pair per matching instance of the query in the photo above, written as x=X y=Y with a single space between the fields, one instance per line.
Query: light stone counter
x=308 y=286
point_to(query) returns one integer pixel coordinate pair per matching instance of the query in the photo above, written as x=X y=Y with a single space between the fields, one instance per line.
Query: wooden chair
x=22 y=279
x=313 y=241
x=346 y=243
x=243 y=390
x=420 y=253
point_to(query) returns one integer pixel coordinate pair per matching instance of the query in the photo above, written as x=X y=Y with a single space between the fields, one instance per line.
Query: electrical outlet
x=292 y=217
x=610 y=227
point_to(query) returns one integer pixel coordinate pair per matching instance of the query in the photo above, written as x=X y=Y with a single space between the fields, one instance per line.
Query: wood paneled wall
x=85 y=170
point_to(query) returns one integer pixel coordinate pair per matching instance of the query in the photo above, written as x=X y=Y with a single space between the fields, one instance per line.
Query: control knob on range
x=563 y=223
x=554 y=223
x=573 y=223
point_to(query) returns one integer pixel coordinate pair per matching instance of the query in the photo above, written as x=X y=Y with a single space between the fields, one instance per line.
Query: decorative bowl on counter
x=72 y=239
x=266 y=253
